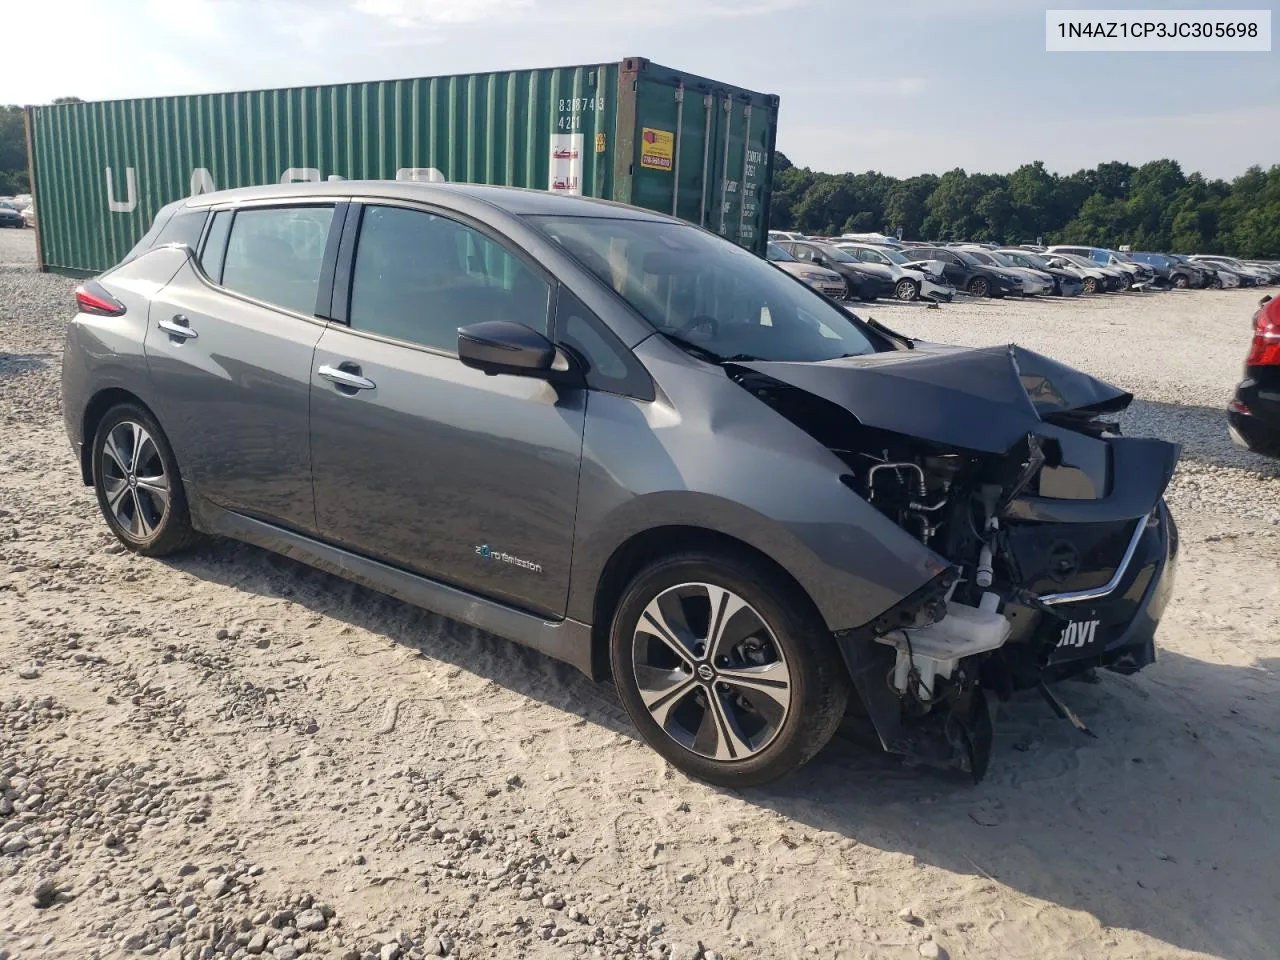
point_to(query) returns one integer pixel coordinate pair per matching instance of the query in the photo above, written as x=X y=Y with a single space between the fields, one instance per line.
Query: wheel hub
x=710 y=671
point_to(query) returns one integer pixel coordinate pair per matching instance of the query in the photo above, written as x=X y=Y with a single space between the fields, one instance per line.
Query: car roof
x=513 y=200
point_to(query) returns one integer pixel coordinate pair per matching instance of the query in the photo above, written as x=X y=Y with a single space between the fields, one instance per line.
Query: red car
x=1254 y=413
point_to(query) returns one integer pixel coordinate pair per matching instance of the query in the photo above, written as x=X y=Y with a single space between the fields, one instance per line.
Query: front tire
x=726 y=673
x=139 y=488
x=1090 y=285
x=1181 y=281
x=979 y=287
x=907 y=290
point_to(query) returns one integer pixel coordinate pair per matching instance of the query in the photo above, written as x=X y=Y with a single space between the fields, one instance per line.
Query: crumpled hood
x=985 y=399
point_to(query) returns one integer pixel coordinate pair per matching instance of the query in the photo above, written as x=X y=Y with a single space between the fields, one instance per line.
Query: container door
x=703 y=156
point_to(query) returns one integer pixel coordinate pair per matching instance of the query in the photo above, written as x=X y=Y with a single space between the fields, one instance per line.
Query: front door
x=422 y=462
x=229 y=349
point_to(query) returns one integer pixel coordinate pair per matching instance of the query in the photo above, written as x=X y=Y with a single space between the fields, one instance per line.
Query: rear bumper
x=1253 y=418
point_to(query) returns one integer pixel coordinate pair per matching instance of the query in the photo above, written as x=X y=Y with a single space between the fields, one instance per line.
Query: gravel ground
x=231 y=755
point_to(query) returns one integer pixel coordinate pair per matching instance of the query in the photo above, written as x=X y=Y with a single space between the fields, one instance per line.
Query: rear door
x=422 y=462
x=229 y=344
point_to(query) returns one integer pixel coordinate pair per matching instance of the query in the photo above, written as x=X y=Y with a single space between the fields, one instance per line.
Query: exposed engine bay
x=1047 y=517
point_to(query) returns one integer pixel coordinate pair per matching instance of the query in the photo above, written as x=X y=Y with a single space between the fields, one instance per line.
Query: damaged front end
x=1003 y=462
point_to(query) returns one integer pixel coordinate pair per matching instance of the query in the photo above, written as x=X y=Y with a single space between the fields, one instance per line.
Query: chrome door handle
x=177 y=327
x=345 y=378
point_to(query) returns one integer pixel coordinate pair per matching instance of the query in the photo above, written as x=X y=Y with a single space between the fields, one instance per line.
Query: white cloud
x=407 y=14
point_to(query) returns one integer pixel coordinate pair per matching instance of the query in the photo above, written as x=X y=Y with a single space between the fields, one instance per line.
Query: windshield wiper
x=690 y=347
x=739 y=358
x=879 y=327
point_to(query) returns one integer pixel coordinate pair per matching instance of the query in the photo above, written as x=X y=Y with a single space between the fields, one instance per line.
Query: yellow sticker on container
x=657 y=148
x=599 y=143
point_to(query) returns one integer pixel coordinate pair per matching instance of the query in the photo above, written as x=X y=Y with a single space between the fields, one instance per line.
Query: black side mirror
x=501 y=346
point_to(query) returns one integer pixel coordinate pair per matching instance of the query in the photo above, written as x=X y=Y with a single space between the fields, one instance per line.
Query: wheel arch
x=97 y=407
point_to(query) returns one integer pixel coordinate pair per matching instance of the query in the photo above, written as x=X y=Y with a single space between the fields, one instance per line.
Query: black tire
x=906 y=290
x=158 y=526
x=1217 y=283
x=817 y=682
x=1091 y=285
x=1181 y=281
x=979 y=287
x=1126 y=282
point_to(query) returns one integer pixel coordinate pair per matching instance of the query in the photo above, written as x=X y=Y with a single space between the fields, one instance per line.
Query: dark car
x=630 y=444
x=964 y=272
x=1170 y=271
x=1209 y=278
x=11 y=216
x=865 y=281
x=1254 y=412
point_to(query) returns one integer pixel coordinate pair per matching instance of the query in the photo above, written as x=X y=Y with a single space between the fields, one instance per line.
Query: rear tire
x=1181 y=281
x=139 y=488
x=906 y=290
x=741 y=710
x=979 y=287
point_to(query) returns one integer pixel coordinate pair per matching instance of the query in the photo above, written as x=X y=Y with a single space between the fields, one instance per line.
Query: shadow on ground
x=1180 y=792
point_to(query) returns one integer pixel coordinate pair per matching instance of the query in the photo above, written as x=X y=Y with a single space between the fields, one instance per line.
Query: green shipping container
x=631 y=131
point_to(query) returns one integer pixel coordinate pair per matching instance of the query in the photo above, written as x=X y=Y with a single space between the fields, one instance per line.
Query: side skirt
x=566 y=640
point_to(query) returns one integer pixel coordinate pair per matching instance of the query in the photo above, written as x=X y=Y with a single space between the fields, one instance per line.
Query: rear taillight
x=1265 y=351
x=93 y=297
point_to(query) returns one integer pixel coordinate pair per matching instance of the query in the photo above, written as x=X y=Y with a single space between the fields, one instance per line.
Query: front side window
x=275 y=254
x=419 y=277
x=709 y=296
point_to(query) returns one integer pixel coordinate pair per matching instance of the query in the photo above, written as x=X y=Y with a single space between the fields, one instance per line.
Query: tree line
x=13 y=148
x=1152 y=207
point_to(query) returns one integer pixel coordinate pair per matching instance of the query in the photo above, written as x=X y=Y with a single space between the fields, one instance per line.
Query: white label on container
x=566 y=163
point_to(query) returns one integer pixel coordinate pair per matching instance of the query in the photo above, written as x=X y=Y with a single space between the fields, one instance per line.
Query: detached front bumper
x=937 y=292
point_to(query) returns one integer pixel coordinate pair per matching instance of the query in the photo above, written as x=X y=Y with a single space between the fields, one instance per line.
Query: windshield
x=986 y=258
x=1078 y=260
x=707 y=295
x=1024 y=257
x=895 y=256
x=838 y=255
x=778 y=255
x=1004 y=259
x=965 y=255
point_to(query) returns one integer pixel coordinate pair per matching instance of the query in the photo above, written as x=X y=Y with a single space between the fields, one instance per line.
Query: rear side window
x=419 y=277
x=215 y=245
x=275 y=254
x=183 y=227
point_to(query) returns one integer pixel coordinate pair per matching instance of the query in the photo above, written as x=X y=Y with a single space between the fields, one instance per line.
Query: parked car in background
x=865 y=282
x=1034 y=283
x=1095 y=277
x=1209 y=273
x=1066 y=283
x=776 y=235
x=1249 y=276
x=627 y=443
x=1254 y=412
x=1171 y=271
x=29 y=215
x=1272 y=270
x=964 y=272
x=1131 y=274
x=877 y=239
x=912 y=281
x=11 y=216
x=827 y=282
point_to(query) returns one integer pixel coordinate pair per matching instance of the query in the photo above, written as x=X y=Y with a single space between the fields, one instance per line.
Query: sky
x=921 y=86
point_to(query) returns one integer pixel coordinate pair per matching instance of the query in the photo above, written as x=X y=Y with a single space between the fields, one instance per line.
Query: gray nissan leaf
x=632 y=445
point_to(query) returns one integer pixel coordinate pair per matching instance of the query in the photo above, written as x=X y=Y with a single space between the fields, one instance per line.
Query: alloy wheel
x=134 y=480
x=711 y=672
x=905 y=291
